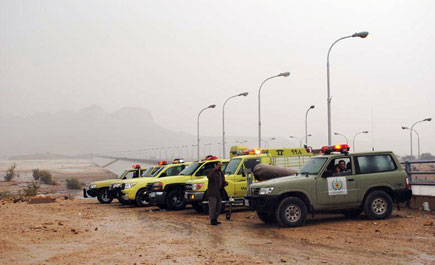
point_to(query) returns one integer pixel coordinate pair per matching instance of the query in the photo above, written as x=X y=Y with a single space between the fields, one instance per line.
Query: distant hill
x=90 y=130
x=48 y=156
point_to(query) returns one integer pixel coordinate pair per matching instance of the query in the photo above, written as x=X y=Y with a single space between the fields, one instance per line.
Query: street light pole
x=412 y=128
x=354 y=149
x=267 y=141
x=306 y=124
x=300 y=139
x=223 y=120
x=285 y=74
x=418 y=139
x=362 y=34
x=336 y=133
x=199 y=114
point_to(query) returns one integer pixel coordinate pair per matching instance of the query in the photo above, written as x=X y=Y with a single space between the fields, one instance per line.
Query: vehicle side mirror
x=326 y=174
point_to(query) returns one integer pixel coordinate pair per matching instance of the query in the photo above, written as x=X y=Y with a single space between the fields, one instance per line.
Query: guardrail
x=411 y=172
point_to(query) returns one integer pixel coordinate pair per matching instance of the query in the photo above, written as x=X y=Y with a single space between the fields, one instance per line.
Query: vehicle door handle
x=350 y=179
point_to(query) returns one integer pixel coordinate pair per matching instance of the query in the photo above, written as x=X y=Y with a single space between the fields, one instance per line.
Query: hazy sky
x=177 y=57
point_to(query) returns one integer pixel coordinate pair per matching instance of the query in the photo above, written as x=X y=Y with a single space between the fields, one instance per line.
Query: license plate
x=246 y=202
x=152 y=195
x=185 y=196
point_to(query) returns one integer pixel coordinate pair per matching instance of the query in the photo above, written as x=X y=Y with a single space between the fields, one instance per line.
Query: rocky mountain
x=90 y=130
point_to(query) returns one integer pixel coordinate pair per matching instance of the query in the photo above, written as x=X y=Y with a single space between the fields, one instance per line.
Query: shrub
x=31 y=189
x=73 y=184
x=36 y=173
x=10 y=172
x=43 y=175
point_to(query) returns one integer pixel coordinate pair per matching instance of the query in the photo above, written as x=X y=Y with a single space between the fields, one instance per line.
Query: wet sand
x=82 y=231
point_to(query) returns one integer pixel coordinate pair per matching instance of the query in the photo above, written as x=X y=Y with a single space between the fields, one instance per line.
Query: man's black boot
x=213 y=222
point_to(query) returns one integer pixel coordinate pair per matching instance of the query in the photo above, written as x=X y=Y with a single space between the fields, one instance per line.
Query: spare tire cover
x=265 y=172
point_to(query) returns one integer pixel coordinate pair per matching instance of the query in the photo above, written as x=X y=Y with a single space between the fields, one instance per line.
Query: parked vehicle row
x=334 y=181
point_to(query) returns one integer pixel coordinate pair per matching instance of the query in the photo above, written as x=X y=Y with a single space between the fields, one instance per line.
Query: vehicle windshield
x=157 y=172
x=147 y=172
x=188 y=171
x=313 y=166
x=122 y=174
x=232 y=166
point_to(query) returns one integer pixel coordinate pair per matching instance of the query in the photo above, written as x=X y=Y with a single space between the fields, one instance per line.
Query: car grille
x=188 y=186
x=150 y=187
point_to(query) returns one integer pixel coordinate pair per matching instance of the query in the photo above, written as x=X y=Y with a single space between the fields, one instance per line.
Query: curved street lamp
x=355 y=136
x=306 y=124
x=412 y=128
x=209 y=107
x=267 y=140
x=418 y=138
x=223 y=120
x=285 y=74
x=300 y=139
x=362 y=35
x=336 y=133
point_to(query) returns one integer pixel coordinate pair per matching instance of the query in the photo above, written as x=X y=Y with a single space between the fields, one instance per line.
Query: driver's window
x=173 y=171
x=250 y=164
x=130 y=175
x=205 y=169
x=340 y=166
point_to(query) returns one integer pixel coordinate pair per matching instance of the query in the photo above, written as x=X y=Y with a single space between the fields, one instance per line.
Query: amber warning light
x=342 y=148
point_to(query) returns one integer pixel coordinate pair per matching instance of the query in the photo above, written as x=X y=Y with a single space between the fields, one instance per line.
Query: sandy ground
x=82 y=231
x=84 y=170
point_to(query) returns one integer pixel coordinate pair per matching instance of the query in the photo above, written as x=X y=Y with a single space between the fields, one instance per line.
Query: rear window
x=375 y=163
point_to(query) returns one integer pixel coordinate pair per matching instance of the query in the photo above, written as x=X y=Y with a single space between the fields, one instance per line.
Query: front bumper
x=194 y=196
x=90 y=192
x=157 y=197
x=262 y=203
x=402 y=195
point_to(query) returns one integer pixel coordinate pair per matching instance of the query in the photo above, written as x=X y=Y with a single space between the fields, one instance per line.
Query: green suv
x=336 y=181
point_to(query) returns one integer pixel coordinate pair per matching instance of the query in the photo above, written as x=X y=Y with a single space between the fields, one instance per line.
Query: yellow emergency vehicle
x=134 y=190
x=236 y=172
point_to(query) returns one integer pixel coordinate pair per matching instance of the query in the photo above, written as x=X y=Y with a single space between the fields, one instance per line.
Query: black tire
x=378 y=205
x=141 y=198
x=175 y=200
x=353 y=214
x=291 y=212
x=205 y=207
x=104 y=196
x=267 y=218
x=197 y=206
x=122 y=201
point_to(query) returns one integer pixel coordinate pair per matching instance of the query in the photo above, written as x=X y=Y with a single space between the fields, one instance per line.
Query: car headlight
x=265 y=191
x=197 y=186
x=92 y=186
x=129 y=185
x=158 y=186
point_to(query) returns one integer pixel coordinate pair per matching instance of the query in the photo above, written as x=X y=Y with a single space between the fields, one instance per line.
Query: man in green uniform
x=216 y=184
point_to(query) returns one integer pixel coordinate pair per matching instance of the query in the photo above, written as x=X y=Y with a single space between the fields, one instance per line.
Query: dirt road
x=85 y=232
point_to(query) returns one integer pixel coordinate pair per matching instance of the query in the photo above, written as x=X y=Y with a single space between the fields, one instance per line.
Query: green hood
x=277 y=181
